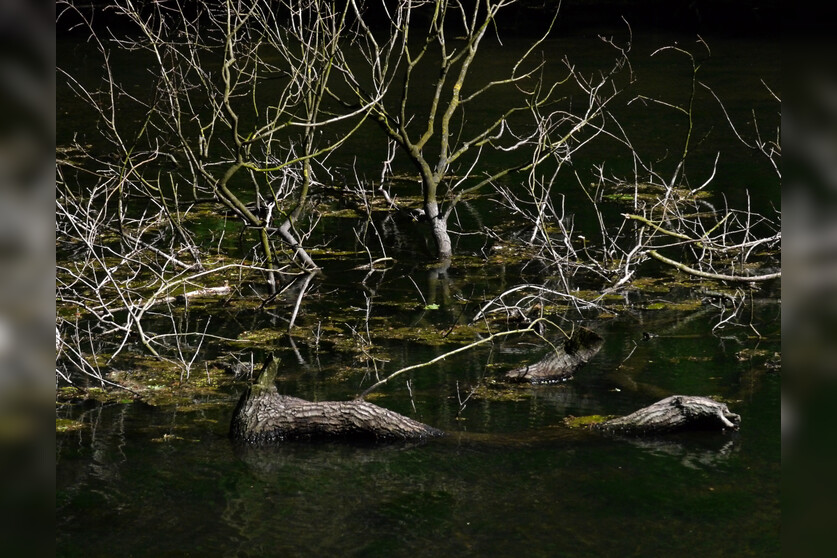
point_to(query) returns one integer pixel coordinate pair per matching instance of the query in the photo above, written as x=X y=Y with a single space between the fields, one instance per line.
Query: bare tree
x=668 y=214
x=241 y=116
x=433 y=46
x=234 y=119
x=248 y=102
x=235 y=112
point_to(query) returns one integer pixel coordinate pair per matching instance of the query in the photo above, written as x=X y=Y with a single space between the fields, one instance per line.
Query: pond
x=143 y=480
x=160 y=477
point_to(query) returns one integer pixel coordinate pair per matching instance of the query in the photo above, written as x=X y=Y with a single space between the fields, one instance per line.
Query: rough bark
x=263 y=416
x=678 y=412
x=559 y=365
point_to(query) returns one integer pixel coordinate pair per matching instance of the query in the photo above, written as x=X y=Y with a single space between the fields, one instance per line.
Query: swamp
x=414 y=208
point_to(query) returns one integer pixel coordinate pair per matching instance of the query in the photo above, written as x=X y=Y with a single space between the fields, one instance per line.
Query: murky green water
x=509 y=480
x=147 y=481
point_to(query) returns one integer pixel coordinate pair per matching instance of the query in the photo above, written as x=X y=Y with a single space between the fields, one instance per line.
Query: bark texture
x=560 y=365
x=263 y=416
x=678 y=412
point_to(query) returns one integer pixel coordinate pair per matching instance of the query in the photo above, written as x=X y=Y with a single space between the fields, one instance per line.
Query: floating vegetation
x=651 y=285
x=261 y=337
x=618 y=197
x=680 y=306
x=627 y=193
x=343 y=213
x=585 y=421
x=153 y=382
x=77 y=394
x=68 y=425
x=493 y=390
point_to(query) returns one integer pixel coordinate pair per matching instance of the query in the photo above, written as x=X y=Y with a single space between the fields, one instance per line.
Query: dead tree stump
x=560 y=364
x=678 y=412
x=264 y=416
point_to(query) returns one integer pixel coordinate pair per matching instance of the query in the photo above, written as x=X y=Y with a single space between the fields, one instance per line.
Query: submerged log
x=264 y=416
x=560 y=364
x=678 y=412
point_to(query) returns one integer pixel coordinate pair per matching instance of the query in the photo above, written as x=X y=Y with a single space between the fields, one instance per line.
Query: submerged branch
x=529 y=329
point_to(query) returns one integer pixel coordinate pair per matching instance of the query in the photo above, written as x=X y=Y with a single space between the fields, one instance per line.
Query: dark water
x=509 y=480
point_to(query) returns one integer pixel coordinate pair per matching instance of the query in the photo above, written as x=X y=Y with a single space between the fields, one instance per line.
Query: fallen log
x=560 y=364
x=264 y=416
x=674 y=413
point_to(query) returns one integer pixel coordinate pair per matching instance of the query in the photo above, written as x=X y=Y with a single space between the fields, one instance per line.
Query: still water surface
x=147 y=481
x=509 y=480
x=524 y=485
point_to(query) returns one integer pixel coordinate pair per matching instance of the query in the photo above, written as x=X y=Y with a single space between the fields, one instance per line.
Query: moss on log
x=675 y=413
x=264 y=416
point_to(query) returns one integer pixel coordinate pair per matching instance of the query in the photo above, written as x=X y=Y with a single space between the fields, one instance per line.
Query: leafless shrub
x=671 y=221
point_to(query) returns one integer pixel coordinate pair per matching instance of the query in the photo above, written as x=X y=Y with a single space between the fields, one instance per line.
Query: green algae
x=651 y=285
x=494 y=390
x=68 y=425
x=681 y=306
x=619 y=197
x=585 y=421
x=152 y=381
x=260 y=338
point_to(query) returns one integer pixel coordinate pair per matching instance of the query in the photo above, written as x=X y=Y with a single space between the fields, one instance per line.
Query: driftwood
x=560 y=364
x=264 y=416
x=678 y=412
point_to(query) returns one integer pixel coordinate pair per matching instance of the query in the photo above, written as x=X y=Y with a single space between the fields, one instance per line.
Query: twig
x=530 y=328
x=719 y=276
x=424 y=300
x=371 y=265
x=302 y=290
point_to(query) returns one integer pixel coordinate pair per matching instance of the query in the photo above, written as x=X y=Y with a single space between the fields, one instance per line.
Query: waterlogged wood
x=264 y=416
x=674 y=413
x=560 y=364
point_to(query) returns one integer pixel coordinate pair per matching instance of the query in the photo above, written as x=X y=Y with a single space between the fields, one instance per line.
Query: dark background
x=727 y=17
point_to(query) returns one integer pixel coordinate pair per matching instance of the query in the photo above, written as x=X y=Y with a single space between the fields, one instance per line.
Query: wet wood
x=675 y=413
x=561 y=363
x=264 y=416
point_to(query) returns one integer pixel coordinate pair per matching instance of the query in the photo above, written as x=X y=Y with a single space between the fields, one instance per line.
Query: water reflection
x=691 y=450
x=315 y=457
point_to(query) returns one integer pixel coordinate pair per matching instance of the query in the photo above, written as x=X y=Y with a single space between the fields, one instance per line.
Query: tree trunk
x=439 y=229
x=285 y=229
x=560 y=364
x=678 y=412
x=263 y=416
